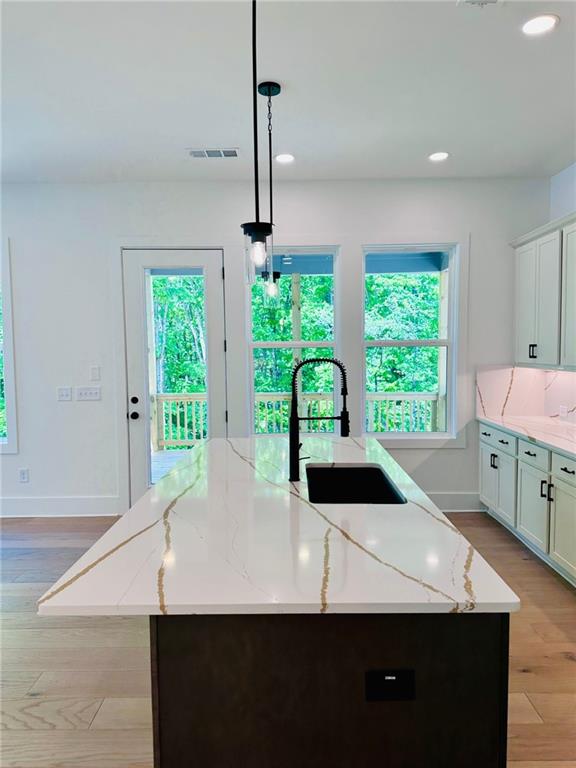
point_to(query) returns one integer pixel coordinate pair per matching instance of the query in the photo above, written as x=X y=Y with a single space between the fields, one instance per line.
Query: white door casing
x=136 y=263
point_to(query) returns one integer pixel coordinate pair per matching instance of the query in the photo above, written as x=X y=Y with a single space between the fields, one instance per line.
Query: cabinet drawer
x=501 y=440
x=534 y=454
x=564 y=468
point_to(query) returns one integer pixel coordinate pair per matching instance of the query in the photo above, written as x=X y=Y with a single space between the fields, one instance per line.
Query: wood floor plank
x=48 y=713
x=104 y=684
x=555 y=707
x=82 y=637
x=14 y=684
x=548 y=741
x=124 y=714
x=76 y=659
x=27 y=620
x=521 y=710
x=76 y=749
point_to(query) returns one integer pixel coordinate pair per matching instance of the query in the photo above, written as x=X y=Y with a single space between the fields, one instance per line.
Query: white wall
x=67 y=305
x=563 y=192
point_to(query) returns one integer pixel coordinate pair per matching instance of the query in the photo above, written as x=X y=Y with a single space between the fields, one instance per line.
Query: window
x=299 y=324
x=408 y=349
x=8 y=437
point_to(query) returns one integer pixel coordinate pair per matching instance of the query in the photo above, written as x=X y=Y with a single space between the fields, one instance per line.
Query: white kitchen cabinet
x=506 y=506
x=498 y=482
x=525 y=301
x=568 y=337
x=533 y=514
x=563 y=525
x=488 y=477
x=538 y=301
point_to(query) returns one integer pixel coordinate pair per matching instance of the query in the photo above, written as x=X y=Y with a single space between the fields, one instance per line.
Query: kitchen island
x=286 y=633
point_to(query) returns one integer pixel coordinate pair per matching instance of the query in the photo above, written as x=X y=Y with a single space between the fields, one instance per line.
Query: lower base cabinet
x=533 y=517
x=498 y=482
x=533 y=491
x=563 y=525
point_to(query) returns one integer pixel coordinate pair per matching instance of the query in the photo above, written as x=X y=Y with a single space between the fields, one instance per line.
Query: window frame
x=252 y=345
x=9 y=444
x=450 y=344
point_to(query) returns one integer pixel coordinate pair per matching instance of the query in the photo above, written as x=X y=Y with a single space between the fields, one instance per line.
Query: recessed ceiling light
x=284 y=159
x=540 y=24
x=438 y=157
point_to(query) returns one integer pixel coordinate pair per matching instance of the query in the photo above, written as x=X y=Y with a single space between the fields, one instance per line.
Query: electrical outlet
x=24 y=475
x=64 y=394
x=88 y=393
x=95 y=373
x=563 y=410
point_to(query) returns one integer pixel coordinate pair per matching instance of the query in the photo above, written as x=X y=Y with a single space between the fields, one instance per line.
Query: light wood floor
x=75 y=692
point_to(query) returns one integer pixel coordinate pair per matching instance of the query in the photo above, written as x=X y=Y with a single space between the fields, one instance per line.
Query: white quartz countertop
x=226 y=532
x=558 y=436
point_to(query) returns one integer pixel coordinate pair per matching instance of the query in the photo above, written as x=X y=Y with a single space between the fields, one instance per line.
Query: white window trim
x=10 y=443
x=451 y=437
x=252 y=345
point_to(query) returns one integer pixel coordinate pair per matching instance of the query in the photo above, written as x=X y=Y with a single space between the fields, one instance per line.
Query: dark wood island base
x=330 y=691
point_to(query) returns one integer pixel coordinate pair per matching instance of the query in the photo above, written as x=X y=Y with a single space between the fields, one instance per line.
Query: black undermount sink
x=351 y=484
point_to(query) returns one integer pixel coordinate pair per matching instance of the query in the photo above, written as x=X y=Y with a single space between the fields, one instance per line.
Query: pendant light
x=256 y=233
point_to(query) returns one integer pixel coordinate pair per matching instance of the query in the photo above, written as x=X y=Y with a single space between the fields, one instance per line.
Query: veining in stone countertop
x=226 y=532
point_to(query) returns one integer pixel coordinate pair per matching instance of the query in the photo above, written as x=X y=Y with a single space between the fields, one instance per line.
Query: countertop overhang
x=225 y=532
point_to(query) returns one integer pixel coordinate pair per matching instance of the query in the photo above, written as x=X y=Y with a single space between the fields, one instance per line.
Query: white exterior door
x=140 y=267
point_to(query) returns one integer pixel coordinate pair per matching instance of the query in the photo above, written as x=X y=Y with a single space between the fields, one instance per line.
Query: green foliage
x=179 y=333
x=397 y=307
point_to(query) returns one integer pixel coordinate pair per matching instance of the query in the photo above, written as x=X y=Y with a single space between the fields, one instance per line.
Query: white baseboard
x=61 y=506
x=455 y=501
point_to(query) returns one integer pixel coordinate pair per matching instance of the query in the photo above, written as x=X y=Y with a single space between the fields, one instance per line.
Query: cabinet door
x=568 y=356
x=563 y=526
x=532 y=511
x=547 y=351
x=506 y=507
x=525 y=301
x=488 y=477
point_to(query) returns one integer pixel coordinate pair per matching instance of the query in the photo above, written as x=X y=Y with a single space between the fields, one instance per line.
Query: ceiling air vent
x=203 y=153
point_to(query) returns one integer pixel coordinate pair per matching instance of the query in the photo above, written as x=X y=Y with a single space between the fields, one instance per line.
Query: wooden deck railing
x=179 y=420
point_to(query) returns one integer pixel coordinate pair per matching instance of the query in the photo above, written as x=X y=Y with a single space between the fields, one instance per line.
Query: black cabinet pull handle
x=529 y=453
x=550 y=486
x=530 y=355
x=134 y=415
x=493 y=457
x=504 y=442
x=134 y=399
x=486 y=434
x=568 y=471
x=534 y=348
x=544 y=489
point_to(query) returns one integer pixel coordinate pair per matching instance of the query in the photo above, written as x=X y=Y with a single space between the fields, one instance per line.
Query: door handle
x=568 y=471
x=134 y=415
x=549 y=497
x=544 y=489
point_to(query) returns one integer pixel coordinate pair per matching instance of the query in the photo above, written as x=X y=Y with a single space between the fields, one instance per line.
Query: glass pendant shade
x=258 y=253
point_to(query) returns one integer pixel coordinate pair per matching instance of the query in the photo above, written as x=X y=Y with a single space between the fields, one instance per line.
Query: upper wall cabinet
x=568 y=340
x=538 y=301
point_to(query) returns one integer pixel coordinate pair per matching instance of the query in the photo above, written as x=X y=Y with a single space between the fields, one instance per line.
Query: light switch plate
x=64 y=394
x=95 y=373
x=88 y=393
x=24 y=475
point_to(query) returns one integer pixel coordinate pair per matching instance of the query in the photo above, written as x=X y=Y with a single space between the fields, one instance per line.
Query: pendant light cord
x=255 y=112
x=270 y=154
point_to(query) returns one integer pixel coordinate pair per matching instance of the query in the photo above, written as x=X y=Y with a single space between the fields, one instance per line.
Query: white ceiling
x=117 y=90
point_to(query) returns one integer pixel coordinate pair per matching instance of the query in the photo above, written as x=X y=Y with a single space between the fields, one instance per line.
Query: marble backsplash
x=511 y=392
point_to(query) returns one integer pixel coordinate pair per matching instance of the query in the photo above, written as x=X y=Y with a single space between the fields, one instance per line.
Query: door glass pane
x=272 y=389
x=405 y=389
x=176 y=365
